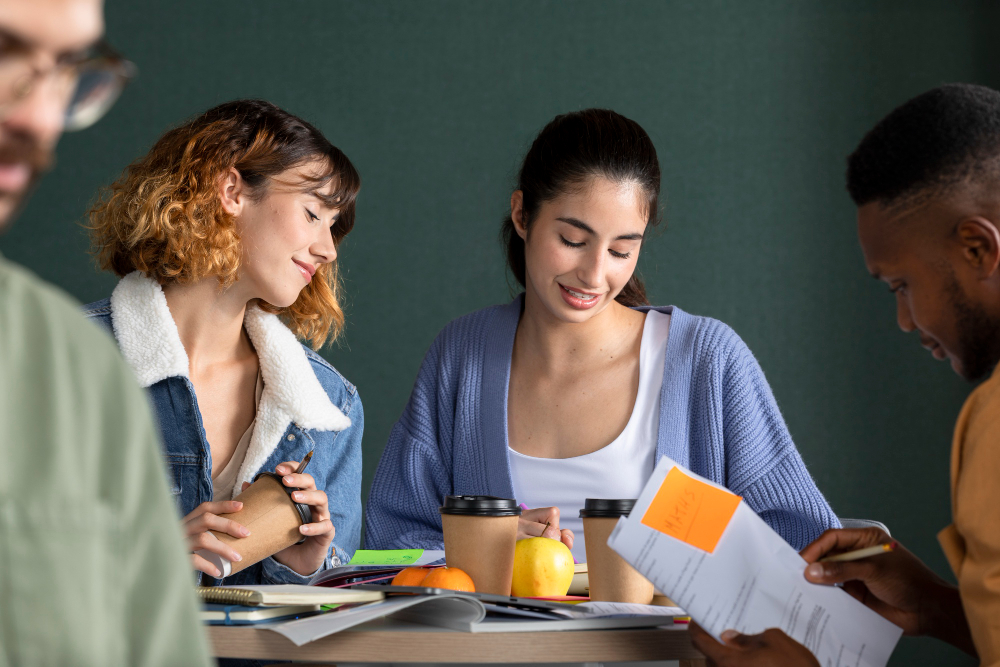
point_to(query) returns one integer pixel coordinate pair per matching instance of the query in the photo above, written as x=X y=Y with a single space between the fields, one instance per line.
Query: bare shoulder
x=631 y=321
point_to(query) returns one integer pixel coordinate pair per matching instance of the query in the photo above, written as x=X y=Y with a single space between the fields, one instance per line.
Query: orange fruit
x=451 y=578
x=411 y=576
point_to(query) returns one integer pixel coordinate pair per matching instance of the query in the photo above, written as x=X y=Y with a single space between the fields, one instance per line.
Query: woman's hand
x=896 y=585
x=205 y=517
x=771 y=648
x=532 y=523
x=307 y=557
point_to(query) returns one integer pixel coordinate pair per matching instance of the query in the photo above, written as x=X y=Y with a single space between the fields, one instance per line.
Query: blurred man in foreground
x=85 y=514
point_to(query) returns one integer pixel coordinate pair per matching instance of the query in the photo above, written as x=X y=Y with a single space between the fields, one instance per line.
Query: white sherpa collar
x=152 y=346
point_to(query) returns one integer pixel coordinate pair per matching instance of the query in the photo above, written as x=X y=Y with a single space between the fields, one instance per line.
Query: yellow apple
x=543 y=567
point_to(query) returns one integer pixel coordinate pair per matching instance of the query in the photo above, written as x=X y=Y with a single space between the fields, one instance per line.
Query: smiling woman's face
x=582 y=247
x=285 y=236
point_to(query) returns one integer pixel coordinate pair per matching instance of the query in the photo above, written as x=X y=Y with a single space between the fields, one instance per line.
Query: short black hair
x=928 y=146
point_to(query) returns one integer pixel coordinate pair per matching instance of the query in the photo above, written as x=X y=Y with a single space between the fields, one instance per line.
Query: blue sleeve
x=762 y=462
x=344 y=488
x=414 y=473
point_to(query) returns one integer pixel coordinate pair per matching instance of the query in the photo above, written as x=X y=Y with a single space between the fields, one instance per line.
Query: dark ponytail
x=571 y=149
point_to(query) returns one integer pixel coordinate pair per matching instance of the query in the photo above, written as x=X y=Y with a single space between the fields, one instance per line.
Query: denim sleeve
x=343 y=488
x=342 y=484
x=414 y=473
x=273 y=572
x=762 y=462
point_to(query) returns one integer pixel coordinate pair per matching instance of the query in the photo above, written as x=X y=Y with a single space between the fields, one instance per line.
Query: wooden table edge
x=448 y=646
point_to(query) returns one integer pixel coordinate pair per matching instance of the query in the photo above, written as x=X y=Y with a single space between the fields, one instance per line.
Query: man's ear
x=517 y=214
x=232 y=191
x=980 y=241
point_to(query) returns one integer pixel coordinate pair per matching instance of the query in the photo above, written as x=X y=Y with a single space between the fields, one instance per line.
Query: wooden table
x=397 y=641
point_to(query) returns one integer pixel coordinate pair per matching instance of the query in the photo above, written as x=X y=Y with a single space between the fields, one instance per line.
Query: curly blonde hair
x=163 y=215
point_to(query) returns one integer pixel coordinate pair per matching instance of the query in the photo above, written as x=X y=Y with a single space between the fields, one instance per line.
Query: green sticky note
x=386 y=557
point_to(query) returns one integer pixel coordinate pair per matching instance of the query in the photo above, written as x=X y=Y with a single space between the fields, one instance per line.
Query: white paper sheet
x=446 y=606
x=752 y=580
x=621 y=609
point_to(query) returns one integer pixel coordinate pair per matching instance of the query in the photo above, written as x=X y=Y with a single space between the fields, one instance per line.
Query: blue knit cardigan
x=717 y=418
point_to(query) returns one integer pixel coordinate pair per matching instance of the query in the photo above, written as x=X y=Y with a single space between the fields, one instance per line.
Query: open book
x=468 y=613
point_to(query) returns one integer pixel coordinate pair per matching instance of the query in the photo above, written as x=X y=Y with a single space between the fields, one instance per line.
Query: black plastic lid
x=606 y=508
x=480 y=506
x=304 y=512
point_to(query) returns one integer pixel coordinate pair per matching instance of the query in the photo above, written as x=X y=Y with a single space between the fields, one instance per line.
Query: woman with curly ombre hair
x=225 y=238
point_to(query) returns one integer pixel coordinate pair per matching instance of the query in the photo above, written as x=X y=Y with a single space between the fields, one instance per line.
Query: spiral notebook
x=284 y=594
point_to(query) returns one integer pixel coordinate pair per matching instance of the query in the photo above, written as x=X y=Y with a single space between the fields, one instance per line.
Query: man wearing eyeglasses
x=92 y=565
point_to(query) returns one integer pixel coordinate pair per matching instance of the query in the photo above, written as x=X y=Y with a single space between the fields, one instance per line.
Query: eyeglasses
x=90 y=82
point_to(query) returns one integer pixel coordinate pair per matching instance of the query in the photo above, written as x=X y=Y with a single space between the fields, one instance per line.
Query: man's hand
x=771 y=648
x=896 y=585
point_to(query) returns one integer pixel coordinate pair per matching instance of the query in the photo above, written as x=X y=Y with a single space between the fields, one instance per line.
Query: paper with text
x=737 y=573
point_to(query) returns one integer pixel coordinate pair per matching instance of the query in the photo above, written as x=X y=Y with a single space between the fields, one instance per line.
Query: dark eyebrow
x=326 y=201
x=20 y=42
x=580 y=224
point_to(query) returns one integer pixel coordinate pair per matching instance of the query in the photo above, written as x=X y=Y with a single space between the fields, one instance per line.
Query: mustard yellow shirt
x=92 y=563
x=972 y=542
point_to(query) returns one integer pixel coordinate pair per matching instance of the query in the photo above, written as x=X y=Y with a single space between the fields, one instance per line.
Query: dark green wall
x=752 y=105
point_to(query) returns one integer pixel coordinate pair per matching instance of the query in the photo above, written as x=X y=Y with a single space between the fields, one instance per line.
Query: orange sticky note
x=691 y=510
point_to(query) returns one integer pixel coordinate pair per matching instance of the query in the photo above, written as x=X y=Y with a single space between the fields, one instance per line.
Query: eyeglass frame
x=101 y=52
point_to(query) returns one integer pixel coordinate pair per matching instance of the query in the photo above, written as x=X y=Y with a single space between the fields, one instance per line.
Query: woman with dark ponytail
x=577 y=387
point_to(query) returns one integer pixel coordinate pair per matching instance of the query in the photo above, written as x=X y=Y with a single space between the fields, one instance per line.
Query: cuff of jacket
x=277 y=573
x=274 y=572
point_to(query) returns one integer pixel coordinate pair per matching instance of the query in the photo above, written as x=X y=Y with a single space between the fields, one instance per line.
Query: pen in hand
x=304 y=463
x=860 y=553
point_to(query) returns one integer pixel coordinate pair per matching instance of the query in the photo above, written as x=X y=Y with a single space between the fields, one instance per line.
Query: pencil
x=304 y=463
x=860 y=553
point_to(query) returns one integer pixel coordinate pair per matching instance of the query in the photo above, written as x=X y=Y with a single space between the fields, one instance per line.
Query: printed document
x=702 y=546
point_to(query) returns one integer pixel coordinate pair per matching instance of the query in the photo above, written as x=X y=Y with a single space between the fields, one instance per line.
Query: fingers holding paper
x=895 y=584
x=771 y=648
x=543 y=522
x=307 y=557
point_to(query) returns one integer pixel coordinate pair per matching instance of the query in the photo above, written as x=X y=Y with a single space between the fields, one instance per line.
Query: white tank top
x=617 y=470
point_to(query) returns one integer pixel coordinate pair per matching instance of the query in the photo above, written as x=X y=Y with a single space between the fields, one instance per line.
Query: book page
x=449 y=608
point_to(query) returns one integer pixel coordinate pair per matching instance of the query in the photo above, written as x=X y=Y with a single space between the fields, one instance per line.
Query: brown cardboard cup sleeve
x=479 y=537
x=272 y=518
x=610 y=578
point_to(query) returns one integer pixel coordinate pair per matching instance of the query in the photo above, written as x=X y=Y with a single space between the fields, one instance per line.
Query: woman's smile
x=577 y=298
x=307 y=270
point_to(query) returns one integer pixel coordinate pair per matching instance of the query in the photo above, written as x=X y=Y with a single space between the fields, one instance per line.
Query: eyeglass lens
x=90 y=88
x=97 y=89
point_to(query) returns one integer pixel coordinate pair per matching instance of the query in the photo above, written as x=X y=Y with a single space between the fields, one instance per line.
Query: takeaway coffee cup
x=272 y=518
x=610 y=578
x=479 y=537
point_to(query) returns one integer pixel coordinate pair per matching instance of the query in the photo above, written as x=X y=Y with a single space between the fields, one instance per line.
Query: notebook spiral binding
x=218 y=595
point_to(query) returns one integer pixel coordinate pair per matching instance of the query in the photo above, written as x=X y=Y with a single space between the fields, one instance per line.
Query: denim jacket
x=306 y=405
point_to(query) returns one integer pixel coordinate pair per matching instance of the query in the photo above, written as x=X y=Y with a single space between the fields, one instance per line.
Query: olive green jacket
x=92 y=563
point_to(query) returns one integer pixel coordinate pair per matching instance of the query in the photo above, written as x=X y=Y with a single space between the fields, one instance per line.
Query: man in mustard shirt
x=926 y=180
x=92 y=564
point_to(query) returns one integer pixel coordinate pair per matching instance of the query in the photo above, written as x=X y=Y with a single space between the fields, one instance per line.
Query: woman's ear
x=517 y=214
x=232 y=193
x=980 y=241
